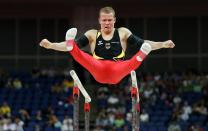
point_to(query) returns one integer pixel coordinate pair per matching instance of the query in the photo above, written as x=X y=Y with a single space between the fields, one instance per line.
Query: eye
x=110 y=20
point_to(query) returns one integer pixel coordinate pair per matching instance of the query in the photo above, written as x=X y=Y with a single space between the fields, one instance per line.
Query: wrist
x=50 y=45
x=163 y=45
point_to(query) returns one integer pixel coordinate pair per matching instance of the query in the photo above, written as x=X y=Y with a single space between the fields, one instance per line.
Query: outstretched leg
x=123 y=68
x=93 y=65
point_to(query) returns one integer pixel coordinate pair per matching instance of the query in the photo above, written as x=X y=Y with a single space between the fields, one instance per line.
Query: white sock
x=146 y=48
x=70 y=35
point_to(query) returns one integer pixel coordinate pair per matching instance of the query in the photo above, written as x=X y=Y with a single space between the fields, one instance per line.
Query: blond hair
x=107 y=10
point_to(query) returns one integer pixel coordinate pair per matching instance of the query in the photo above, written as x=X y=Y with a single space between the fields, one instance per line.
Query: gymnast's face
x=107 y=21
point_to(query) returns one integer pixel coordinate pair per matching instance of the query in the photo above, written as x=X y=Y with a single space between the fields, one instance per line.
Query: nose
x=106 y=22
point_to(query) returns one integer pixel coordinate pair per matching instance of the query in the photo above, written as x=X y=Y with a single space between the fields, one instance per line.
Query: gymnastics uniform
x=107 y=65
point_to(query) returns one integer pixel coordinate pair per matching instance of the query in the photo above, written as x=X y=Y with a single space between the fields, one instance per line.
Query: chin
x=108 y=30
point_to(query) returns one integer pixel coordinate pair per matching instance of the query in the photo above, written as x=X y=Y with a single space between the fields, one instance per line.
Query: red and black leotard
x=104 y=64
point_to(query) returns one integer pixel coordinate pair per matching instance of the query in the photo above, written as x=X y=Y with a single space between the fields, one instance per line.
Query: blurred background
x=36 y=89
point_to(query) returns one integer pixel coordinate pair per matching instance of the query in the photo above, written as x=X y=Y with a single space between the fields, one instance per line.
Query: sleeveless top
x=108 y=49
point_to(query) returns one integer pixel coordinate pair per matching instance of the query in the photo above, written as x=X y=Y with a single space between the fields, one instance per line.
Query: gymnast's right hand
x=46 y=44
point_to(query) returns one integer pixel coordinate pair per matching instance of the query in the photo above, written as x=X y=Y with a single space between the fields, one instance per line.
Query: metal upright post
x=135 y=102
x=87 y=116
x=76 y=109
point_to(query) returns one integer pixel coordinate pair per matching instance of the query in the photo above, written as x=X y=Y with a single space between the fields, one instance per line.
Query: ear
x=99 y=20
x=114 y=19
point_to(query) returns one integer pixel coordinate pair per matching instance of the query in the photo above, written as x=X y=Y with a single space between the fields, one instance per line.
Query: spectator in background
x=5 y=110
x=67 y=124
x=150 y=92
x=195 y=127
x=111 y=118
x=53 y=121
x=38 y=120
x=176 y=112
x=144 y=116
x=186 y=111
x=47 y=113
x=129 y=117
x=119 y=121
x=25 y=116
x=17 y=83
x=4 y=123
x=57 y=88
x=14 y=124
x=177 y=99
x=102 y=100
x=199 y=108
x=67 y=84
x=38 y=117
x=98 y=128
x=113 y=100
x=174 y=126
x=11 y=125
x=102 y=119
x=19 y=124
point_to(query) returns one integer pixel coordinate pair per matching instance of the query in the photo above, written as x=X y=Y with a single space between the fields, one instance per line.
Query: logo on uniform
x=139 y=58
x=100 y=42
x=107 y=46
x=115 y=42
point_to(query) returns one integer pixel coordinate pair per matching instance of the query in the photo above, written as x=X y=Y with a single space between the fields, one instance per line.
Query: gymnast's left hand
x=168 y=44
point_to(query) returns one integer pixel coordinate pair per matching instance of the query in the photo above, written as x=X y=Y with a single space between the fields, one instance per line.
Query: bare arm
x=154 y=45
x=91 y=35
x=159 y=45
x=61 y=46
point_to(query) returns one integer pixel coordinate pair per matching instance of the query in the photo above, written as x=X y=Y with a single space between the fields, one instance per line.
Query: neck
x=107 y=35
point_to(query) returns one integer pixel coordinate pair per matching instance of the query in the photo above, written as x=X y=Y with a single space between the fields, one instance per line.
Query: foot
x=70 y=35
x=145 y=48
